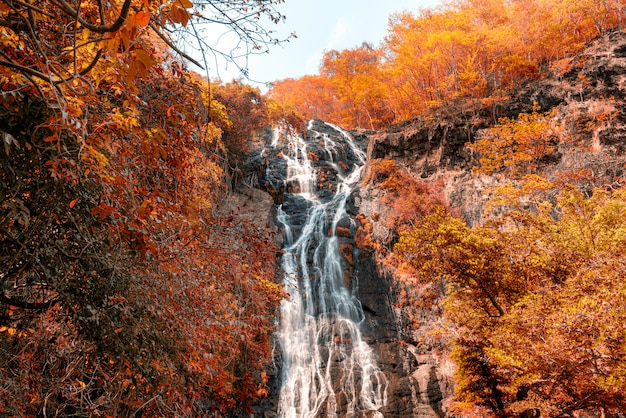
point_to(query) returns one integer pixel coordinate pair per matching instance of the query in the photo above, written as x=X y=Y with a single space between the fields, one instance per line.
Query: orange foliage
x=127 y=287
x=363 y=237
x=469 y=48
x=408 y=198
x=356 y=79
x=519 y=147
x=311 y=96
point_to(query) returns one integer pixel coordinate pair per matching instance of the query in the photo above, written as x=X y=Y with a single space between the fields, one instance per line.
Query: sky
x=320 y=25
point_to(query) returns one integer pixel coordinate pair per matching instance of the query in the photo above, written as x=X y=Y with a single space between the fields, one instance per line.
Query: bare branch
x=35 y=306
x=171 y=45
x=34 y=8
x=42 y=76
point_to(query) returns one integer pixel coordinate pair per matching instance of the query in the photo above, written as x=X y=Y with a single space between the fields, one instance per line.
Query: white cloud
x=340 y=32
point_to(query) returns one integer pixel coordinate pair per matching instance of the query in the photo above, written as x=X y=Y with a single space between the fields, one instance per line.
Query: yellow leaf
x=185 y=3
x=143 y=62
x=125 y=38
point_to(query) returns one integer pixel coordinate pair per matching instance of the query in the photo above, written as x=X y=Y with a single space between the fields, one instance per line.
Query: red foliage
x=409 y=199
x=127 y=287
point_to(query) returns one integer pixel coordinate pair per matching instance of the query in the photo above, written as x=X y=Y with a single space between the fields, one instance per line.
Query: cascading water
x=328 y=370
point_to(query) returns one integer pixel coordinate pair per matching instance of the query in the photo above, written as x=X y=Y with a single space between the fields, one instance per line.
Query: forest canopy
x=474 y=49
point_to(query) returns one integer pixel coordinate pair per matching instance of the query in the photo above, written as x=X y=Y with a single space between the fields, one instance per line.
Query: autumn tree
x=312 y=96
x=524 y=292
x=58 y=43
x=347 y=92
x=476 y=47
x=528 y=277
x=356 y=80
x=518 y=147
x=126 y=284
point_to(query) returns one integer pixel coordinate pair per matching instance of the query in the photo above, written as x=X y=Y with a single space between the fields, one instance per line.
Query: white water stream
x=328 y=370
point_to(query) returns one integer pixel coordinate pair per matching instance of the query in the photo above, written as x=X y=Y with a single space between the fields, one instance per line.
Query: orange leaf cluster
x=409 y=199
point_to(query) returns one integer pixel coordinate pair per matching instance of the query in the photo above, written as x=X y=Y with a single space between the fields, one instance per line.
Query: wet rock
x=418 y=384
x=347 y=278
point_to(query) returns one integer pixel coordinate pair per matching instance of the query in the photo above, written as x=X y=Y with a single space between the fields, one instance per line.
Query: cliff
x=585 y=93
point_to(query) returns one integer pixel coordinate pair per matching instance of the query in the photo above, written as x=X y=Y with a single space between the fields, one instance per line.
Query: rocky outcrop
x=586 y=94
x=585 y=91
x=420 y=382
x=255 y=206
x=433 y=148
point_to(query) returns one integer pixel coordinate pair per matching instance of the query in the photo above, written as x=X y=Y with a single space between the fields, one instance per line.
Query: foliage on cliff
x=534 y=296
x=407 y=198
x=125 y=287
x=537 y=303
x=469 y=48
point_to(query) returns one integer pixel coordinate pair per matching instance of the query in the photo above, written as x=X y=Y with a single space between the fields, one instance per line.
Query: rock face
x=586 y=93
x=256 y=206
x=420 y=383
x=433 y=148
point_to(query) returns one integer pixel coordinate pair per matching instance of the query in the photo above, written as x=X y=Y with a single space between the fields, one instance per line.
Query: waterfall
x=328 y=370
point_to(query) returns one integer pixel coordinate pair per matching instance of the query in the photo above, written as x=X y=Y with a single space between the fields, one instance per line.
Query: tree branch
x=98 y=28
x=34 y=8
x=26 y=70
x=42 y=76
x=37 y=306
x=14 y=25
x=174 y=47
x=34 y=306
x=489 y=295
